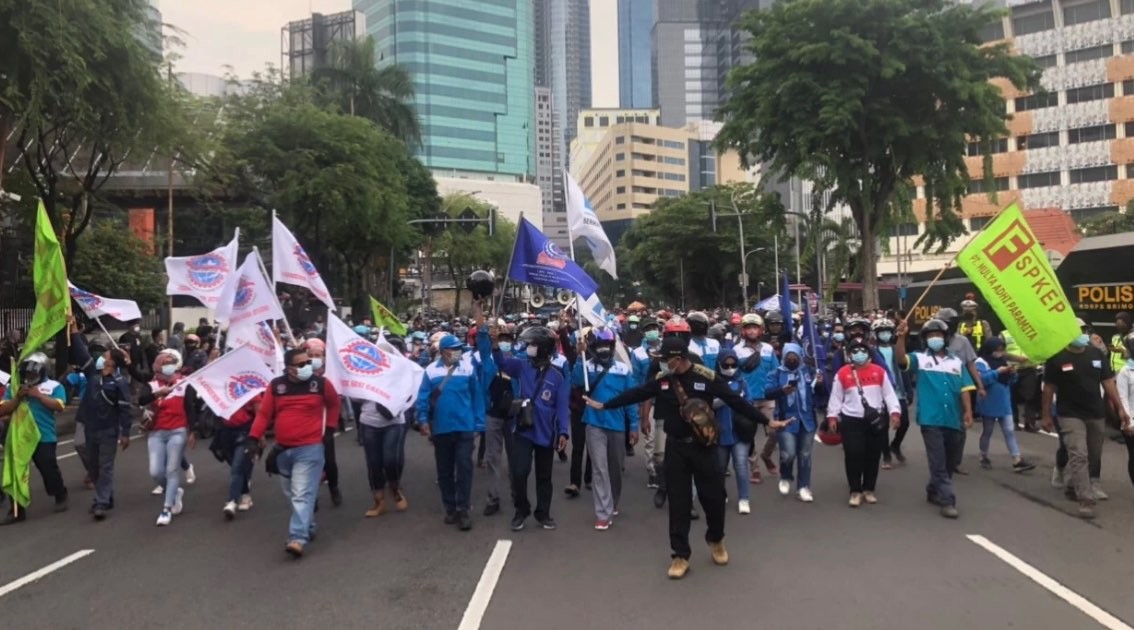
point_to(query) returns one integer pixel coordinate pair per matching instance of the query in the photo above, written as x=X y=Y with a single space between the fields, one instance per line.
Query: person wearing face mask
x=172 y=411
x=317 y=351
x=757 y=359
x=195 y=357
x=131 y=343
x=499 y=423
x=732 y=448
x=700 y=344
x=944 y=407
x=105 y=415
x=1124 y=383
x=44 y=398
x=451 y=407
x=1077 y=374
x=861 y=396
x=301 y=407
x=687 y=460
x=632 y=332
x=960 y=346
x=971 y=326
x=605 y=432
x=792 y=386
x=883 y=331
x=996 y=408
x=677 y=328
x=654 y=438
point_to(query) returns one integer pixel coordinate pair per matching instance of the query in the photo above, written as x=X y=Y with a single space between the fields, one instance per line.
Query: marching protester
x=171 y=417
x=301 y=407
x=683 y=394
x=1124 y=383
x=654 y=438
x=996 y=407
x=731 y=447
x=230 y=445
x=792 y=386
x=317 y=351
x=499 y=422
x=45 y=398
x=699 y=343
x=883 y=331
x=383 y=443
x=757 y=359
x=960 y=346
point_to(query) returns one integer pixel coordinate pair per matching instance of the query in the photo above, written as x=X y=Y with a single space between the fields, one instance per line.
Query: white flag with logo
x=592 y=310
x=228 y=383
x=259 y=337
x=360 y=369
x=203 y=277
x=291 y=264
x=98 y=306
x=4 y=378
x=248 y=297
x=584 y=224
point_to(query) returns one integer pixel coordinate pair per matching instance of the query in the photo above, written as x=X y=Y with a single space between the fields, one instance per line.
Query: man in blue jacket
x=605 y=430
x=542 y=428
x=451 y=406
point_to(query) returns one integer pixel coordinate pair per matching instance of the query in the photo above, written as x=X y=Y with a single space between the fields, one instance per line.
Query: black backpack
x=500 y=396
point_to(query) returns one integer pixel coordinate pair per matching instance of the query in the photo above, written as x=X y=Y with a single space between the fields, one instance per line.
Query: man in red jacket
x=302 y=406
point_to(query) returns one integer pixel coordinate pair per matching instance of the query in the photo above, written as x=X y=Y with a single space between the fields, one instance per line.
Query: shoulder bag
x=699 y=415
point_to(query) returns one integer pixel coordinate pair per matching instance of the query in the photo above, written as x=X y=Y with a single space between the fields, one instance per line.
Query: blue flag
x=536 y=260
x=811 y=338
x=785 y=306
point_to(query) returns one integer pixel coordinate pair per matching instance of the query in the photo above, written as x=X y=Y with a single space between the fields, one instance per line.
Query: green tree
x=864 y=95
x=115 y=263
x=353 y=81
x=1109 y=223
x=463 y=252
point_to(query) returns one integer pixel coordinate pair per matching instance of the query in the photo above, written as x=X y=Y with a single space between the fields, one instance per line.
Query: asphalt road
x=894 y=565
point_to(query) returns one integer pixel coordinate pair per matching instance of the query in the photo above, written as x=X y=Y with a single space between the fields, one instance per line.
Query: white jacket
x=1125 y=384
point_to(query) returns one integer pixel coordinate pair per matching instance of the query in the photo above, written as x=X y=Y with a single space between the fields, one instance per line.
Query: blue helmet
x=449 y=342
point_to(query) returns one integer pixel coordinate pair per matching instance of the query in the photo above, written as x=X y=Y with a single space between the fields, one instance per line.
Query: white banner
x=4 y=378
x=257 y=336
x=584 y=224
x=359 y=369
x=248 y=297
x=228 y=383
x=203 y=277
x=592 y=310
x=290 y=263
x=98 y=306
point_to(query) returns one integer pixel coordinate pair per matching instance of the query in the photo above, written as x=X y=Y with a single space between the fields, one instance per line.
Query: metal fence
x=19 y=319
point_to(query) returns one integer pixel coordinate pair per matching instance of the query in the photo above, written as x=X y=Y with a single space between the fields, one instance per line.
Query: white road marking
x=1104 y=618
x=40 y=574
x=474 y=614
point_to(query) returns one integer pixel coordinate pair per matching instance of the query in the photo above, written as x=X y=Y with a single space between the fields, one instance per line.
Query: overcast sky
x=245 y=34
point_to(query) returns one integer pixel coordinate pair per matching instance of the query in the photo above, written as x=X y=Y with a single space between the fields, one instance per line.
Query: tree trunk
x=869 y=257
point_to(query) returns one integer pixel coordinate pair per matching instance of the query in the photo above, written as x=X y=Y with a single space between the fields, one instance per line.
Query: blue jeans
x=166 y=446
x=240 y=469
x=796 y=447
x=301 y=468
x=385 y=455
x=943 y=449
x=453 y=452
x=1007 y=427
x=739 y=454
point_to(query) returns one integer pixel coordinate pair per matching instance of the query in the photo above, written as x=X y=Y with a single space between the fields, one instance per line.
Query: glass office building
x=635 y=24
x=472 y=66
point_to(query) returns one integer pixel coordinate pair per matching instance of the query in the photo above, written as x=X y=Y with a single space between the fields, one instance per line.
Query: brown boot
x=400 y=503
x=719 y=553
x=678 y=568
x=379 y=505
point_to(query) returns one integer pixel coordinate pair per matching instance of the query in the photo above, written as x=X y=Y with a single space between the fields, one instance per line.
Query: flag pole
x=578 y=297
x=98 y=320
x=264 y=270
x=511 y=257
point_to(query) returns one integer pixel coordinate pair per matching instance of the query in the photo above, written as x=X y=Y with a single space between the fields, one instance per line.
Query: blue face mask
x=839 y=336
x=100 y=363
x=859 y=358
x=885 y=336
x=1130 y=363
x=652 y=335
x=935 y=343
x=305 y=373
x=169 y=369
x=1081 y=341
x=505 y=347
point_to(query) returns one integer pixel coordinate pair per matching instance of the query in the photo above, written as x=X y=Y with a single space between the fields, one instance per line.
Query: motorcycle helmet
x=698 y=323
x=481 y=284
x=33 y=369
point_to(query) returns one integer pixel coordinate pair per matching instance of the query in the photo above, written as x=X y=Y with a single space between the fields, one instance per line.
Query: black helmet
x=717 y=332
x=698 y=323
x=935 y=325
x=774 y=317
x=481 y=284
x=33 y=369
x=947 y=315
x=542 y=338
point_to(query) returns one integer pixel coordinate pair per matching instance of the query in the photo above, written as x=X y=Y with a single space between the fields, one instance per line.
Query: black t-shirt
x=1077 y=377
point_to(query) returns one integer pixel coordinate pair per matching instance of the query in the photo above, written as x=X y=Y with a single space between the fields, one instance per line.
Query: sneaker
x=157 y=491
x=229 y=510
x=949 y=511
x=464 y=521
x=572 y=491
x=719 y=553
x=1096 y=489
x=897 y=453
x=743 y=507
x=245 y=503
x=985 y=463
x=616 y=511
x=805 y=495
x=547 y=523
x=652 y=481
x=602 y=526
x=98 y=512
x=190 y=476
x=754 y=476
x=178 y=503
x=165 y=518
x=1057 y=480
x=294 y=549
x=518 y=522
x=61 y=502
x=1022 y=466
x=887 y=464
x=678 y=568
x=959 y=470
x=785 y=488
x=492 y=507
x=855 y=499
x=869 y=497
x=1086 y=510
x=450 y=518
x=773 y=469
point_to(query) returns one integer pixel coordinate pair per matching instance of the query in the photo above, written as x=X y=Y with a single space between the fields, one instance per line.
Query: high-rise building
x=472 y=64
x=591 y=128
x=635 y=78
x=305 y=45
x=549 y=170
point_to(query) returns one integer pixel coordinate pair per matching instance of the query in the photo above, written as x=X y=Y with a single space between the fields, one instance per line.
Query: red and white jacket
x=876 y=388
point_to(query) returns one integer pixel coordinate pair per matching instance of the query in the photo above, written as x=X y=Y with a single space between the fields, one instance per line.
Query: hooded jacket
x=619 y=378
x=724 y=412
x=997 y=402
x=800 y=404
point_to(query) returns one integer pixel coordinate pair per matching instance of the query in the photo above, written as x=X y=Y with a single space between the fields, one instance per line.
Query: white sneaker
x=805 y=495
x=245 y=503
x=157 y=491
x=785 y=488
x=178 y=505
x=190 y=476
x=743 y=507
x=1057 y=481
x=165 y=518
x=230 y=510
x=1096 y=489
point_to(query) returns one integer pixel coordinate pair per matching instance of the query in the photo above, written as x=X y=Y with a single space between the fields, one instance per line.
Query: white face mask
x=665 y=370
x=169 y=369
x=317 y=363
x=532 y=351
x=728 y=371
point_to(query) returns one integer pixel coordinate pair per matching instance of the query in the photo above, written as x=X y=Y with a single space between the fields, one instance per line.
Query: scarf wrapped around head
x=159 y=361
x=988 y=348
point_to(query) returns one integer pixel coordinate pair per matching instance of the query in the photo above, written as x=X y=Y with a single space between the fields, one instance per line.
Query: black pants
x=523 y=452
x=579 y=451
x=687 y=464
x=899 y=435
x=862 y=452
x=330 y=464
x=48 y=467
x=1129 y=456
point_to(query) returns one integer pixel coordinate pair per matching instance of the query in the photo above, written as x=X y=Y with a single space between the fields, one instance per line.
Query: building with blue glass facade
x=472 y=63
x=635 y=26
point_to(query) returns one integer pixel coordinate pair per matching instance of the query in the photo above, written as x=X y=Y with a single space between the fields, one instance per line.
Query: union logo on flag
x=240 y=384
x=304 y=260
x=363 y=358
x=87 y=300
x=245 y=293
x=207 y=271
x=552 y=256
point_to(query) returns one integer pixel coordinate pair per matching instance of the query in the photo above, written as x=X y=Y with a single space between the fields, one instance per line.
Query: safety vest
x=976 y=332
x=1117 y=354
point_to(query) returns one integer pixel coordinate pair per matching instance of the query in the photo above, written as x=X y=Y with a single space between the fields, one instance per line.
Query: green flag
x=1008 y=264
x=23 y=437
x=386 y=319
x=53 y=299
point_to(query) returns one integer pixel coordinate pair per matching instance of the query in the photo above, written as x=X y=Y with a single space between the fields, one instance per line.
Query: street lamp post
x=740 y=228
x=744 y=272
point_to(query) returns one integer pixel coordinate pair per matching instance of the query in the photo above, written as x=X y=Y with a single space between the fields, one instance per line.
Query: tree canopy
x=1109 y=223
x=862 y=96
x=462 y=252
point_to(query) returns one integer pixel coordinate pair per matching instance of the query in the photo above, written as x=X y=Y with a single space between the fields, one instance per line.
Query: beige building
x=591 y=128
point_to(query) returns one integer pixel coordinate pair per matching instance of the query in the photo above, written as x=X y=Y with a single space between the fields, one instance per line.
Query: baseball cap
x=673 y=347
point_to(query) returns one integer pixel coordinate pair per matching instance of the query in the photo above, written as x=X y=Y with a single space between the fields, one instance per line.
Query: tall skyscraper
x=549 y=170
x=472 y=63
x=305 y=45
x=635 y=78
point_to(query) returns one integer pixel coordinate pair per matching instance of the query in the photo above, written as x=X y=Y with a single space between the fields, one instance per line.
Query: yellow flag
x=53 y=299
x=19 y=446
x=384 y=318
x=1008 y=265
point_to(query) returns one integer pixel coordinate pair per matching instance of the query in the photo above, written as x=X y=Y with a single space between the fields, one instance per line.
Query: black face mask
x=604 y=353
x=791 y=364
